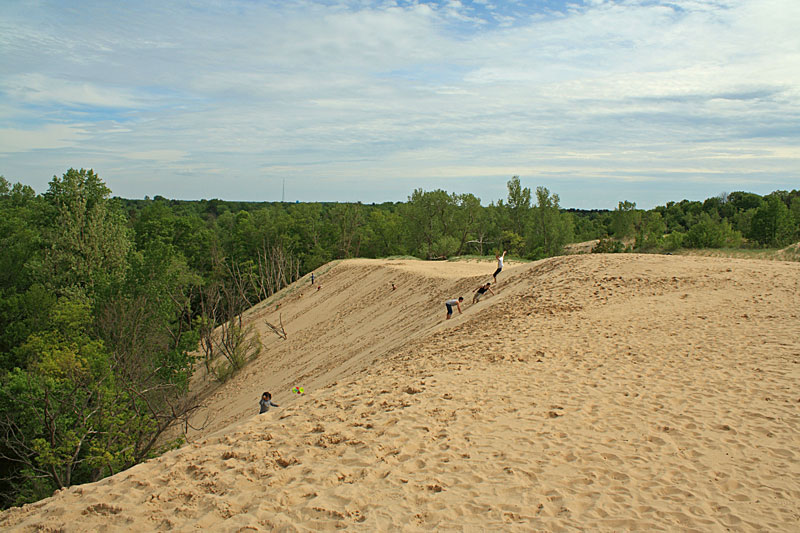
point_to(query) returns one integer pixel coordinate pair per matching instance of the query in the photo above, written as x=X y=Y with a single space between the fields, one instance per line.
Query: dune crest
x=593 y=392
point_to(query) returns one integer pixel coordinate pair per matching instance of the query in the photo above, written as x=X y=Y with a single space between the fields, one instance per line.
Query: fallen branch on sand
x=279 y=332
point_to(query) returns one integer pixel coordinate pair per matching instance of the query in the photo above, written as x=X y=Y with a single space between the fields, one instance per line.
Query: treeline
x=431 y=225
x=735 y=220
x=437 y=224
x=104 y=301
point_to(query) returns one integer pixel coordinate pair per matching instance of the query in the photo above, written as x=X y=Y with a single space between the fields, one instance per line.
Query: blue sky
x=597 y=100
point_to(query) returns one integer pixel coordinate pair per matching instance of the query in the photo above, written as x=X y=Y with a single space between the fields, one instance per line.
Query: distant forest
x=108 y=305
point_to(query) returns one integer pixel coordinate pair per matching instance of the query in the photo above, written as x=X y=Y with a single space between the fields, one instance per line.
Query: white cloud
x=40 y=89
x=157 y=155
x=46 y=137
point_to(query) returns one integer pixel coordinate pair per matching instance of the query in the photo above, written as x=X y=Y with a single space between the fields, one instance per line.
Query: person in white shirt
x=499 y=265
x=450 y=303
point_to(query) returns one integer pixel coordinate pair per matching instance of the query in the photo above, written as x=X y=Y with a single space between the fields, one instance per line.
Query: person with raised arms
x=499 y=265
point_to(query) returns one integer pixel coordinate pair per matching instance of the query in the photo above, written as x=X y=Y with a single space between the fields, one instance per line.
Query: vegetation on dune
x=104 y=301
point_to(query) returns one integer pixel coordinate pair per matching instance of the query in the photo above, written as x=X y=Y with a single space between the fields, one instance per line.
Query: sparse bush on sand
x=607 y=245
x=238 y=345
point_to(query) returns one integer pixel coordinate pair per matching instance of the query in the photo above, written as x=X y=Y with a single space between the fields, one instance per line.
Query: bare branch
x=279 y=332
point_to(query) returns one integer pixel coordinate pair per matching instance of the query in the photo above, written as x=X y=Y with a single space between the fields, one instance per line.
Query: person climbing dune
x=266 y=402
x=450 y=303
x=499 y=265
x=480 y=291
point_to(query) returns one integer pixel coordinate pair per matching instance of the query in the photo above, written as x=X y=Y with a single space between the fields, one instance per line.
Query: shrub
x=673 y=241
x=607 y=245
x=239 y=345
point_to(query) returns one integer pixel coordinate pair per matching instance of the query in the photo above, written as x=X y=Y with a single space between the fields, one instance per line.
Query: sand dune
x=593 y=392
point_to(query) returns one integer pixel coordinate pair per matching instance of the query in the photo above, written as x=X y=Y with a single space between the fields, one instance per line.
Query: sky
x=600 y=101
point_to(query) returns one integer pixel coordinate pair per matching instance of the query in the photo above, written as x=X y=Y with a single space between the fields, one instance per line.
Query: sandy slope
x=594 y=392
x=347 y=325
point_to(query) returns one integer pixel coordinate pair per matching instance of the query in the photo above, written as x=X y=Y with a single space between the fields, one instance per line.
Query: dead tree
x=279 y=332
x=480 y=242
x=276 y=268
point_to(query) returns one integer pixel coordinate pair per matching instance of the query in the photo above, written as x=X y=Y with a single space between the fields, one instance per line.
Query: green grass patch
x=765 y=254
x=471 y=258
x=515 y=259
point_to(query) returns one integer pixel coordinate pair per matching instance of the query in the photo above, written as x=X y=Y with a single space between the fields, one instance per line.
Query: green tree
x=794 y=209
x=62 y=420
x=88 y=241
x=674 y=217
x=625 y=220
x=467 y=219
x=313 y=234
x=428 y=216
x=519 y=205
x=485 y=233
x=588 y=226
x=692 y=211
x=743 y=201
x=185 y=230
x=673 y=241
x=145 y=320
x=550 y=229
x=772 y=223
x=651 y=232
x=348 y=221
x=20 y=233
x=386 y=234
x=711 y=233
x=21 y=315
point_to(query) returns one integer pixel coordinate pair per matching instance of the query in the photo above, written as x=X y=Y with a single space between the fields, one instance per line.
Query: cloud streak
x=372 y=99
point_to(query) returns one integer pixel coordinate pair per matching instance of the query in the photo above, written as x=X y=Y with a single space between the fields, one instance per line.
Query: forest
x=109 y=305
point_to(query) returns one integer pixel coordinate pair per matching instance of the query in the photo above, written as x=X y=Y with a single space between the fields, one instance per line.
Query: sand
x=593 y=392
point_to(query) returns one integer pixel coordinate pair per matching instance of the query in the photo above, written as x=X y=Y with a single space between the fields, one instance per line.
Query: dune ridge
x=594 y=392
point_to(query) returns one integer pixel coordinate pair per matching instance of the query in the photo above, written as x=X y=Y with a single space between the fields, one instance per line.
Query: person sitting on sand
x=266 y=402
x=499 y=265
x=450 y=303
x=480 y=291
